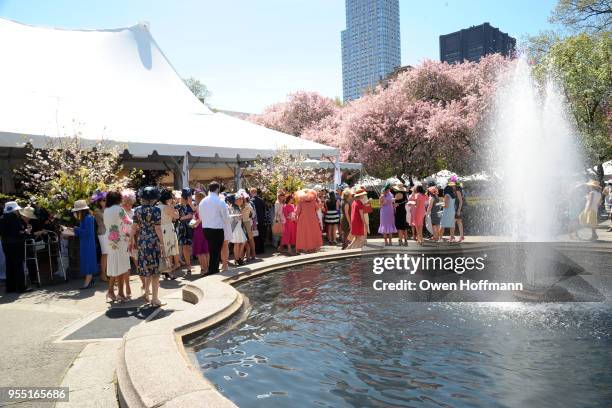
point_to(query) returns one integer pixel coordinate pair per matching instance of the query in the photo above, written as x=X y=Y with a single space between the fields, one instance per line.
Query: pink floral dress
x=118 y=225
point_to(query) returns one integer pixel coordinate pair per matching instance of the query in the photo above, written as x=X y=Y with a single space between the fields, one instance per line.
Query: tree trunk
x=600 y=174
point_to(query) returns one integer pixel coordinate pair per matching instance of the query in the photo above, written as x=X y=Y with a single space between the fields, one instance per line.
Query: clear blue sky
x=251 y=53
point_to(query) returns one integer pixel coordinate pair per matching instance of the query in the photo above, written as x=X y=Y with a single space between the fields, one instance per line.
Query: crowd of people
x=167 y=229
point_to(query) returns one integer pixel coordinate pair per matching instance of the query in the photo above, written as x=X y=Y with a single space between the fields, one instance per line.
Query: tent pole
x=337 y=172
x=185 y=171
x=238 y=179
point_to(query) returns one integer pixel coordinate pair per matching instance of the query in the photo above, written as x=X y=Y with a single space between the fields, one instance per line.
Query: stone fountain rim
x=154 y=369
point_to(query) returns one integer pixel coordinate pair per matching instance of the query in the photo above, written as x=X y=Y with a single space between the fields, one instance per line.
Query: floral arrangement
x=284 y=171
x=67 y=170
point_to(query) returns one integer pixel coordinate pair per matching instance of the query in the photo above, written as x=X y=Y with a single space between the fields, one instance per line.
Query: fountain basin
x=173 y=379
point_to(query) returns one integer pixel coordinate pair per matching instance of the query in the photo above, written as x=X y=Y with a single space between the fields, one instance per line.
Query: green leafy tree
x=198 y=89
x=584 y=15
x=584 y=67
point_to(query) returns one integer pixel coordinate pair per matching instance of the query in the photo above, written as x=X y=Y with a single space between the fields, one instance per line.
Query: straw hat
x=400 y=187
x=28 y=212
x=306 y=194
x=11 y=206
x=360 y=192
x=593 y=183
x=80 y=205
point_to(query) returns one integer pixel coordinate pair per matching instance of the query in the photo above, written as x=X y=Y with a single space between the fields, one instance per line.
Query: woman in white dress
x=117 y=225
x=239 y=238
x=168 y=215
x=227 y=236
x=128 y=199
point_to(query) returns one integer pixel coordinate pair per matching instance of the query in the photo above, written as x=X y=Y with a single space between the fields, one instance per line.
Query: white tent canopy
x=117 y=85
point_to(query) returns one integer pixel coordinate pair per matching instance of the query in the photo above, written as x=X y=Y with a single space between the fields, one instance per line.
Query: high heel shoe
x=89 y=285
x=110 y=298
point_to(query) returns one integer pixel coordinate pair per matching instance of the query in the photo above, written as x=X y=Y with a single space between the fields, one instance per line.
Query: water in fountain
x=537 y=157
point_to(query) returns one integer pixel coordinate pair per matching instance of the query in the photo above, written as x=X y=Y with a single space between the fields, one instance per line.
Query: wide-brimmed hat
x=80 y=205
x=28 y=212
x=186 y=192
x=387 y=185
x=149 y=193
x=451 y=184
x=360 y=192
x=11 y=206
x=593 y=183
x=242 y=194
x=400 y=187
x=230 y=199
x=97 y=196
x=453 y=178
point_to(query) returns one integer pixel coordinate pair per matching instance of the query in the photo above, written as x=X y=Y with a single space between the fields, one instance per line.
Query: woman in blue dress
x=448 y=213
x=147 y=238
x=185 y=232
x=87 y=242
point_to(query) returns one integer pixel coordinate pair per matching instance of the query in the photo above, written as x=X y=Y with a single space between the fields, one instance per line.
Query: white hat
x=11 y=206
x=28 y=212
x=80 y=205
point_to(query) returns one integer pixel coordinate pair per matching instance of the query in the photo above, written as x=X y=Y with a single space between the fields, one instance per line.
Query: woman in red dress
x=289 y=224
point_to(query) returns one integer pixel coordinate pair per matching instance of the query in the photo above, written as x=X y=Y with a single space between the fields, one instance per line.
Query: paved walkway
x=35 y=351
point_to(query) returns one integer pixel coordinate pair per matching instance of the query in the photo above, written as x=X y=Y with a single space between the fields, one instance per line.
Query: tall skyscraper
x=475 y=42
x=370 y=44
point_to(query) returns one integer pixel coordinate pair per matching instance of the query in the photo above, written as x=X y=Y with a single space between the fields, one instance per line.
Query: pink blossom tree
x=429 y=118
x=300 y=111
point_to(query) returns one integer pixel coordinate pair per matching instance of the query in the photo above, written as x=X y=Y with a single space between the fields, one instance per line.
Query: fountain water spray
x=536 y=155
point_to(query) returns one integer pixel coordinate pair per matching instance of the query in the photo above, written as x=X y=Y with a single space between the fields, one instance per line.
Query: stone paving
x=34 y=326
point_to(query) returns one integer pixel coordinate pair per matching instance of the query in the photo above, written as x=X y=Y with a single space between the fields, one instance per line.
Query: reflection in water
x=318 y=335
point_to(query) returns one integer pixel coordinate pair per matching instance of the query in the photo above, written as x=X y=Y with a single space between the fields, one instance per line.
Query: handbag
x=277 y=228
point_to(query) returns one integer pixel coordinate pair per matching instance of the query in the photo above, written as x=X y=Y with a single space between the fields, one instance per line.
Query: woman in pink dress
x=289 y=224
x=418 y=211
x=309 y=235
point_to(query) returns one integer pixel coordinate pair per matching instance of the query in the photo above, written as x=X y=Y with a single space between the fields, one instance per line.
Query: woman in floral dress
x=185 y=233
x=117 y=225
x=147 y=238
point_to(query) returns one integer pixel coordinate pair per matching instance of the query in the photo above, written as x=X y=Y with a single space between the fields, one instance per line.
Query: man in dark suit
x=260 y=209
x=13 y=233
